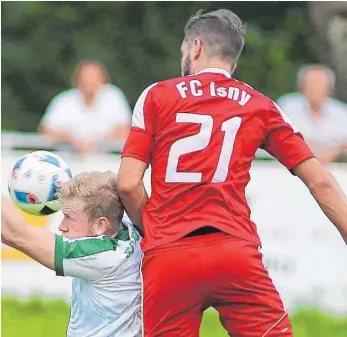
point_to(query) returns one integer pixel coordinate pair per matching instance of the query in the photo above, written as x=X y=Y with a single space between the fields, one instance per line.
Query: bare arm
x=330 y=154
x=56 y=135
x=38 y=243
x=80 y=144
x=326 y=191
x=119 y=132
x=131 y=189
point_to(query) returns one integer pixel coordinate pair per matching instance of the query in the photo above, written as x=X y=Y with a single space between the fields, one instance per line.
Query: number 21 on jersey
x=198 y=142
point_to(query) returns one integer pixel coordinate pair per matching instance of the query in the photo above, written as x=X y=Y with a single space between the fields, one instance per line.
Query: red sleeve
x=282 y=140
x=140 y=140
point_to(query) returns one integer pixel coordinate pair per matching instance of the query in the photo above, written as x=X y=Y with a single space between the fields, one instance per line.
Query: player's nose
x=62 y=227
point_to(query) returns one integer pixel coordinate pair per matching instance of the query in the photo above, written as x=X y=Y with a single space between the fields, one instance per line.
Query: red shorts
x=182 y=279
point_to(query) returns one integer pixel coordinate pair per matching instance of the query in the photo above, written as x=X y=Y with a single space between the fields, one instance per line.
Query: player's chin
x=68 y=236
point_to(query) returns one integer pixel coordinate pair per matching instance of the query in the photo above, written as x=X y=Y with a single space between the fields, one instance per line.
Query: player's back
x=205 y=130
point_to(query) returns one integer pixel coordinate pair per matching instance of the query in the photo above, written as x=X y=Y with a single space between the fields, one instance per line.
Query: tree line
x=139 y=42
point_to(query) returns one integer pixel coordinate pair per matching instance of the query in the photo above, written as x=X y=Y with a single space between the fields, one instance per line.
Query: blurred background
x=71 y=74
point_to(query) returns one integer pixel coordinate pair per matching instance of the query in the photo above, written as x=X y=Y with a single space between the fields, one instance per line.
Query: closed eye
x=67 y=216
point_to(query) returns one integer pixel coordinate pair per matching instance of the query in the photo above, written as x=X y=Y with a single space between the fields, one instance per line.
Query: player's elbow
x=314 y=175
x=126 y=186
x=43 y=129
x=322 y=182
x=9 y=238
x=14 y=236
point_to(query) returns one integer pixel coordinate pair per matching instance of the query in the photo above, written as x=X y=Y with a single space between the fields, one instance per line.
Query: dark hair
x=221 y=32
x=82 y=64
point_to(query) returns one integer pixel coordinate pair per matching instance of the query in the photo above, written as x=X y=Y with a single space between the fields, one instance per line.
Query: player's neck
x=113 y=231
x=214 y=63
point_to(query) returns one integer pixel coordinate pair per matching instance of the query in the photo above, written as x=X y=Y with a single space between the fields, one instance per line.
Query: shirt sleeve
x=120 y=104
x=140 y=140
x=282 y=140
x=89 y=258
x=340 y=118
x=54 y=116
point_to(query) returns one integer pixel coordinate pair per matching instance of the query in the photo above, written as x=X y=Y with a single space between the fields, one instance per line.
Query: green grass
x=43 y=318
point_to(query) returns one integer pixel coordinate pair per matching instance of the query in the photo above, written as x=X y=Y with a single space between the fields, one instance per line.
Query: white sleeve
x=54 y=116
x=286 y=103
x=341 y=125
x=120 y=106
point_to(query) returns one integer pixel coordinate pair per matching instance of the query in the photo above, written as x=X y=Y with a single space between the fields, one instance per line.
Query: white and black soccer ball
x=35 y=180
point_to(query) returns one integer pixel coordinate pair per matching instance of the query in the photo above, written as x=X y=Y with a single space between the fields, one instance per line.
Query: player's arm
x=286 y=144
x=131 y=188
x=326 y=191
x=136 y=157
x=118 y=132
x=81 y=145
x=38 y=243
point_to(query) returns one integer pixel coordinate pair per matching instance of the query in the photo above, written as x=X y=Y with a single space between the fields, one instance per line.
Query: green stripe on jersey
x=86 y=247
x=78 y=248
x=89 y=246
x=58 y=255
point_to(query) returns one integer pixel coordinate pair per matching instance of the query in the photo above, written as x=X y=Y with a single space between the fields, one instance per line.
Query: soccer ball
x=35 y=180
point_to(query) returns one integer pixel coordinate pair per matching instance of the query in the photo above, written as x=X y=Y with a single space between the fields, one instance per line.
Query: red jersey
x=200 y=134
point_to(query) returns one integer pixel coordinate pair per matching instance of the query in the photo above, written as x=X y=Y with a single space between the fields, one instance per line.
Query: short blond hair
x=98 y=192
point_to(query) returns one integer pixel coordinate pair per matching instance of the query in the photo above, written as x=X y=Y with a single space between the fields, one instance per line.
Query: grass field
x=42 y=318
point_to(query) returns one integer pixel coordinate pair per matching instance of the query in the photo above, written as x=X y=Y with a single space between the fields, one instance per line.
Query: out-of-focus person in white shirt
x=91 y=112
x=320 y=118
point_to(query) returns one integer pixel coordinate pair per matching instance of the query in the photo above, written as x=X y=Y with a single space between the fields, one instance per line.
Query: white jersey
x=106 y=286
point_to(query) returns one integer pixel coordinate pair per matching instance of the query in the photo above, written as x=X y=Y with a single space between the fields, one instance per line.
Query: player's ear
x=197 y=48
x=101 y=226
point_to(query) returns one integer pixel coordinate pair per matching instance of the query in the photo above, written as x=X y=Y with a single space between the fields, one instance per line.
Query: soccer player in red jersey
x=200 y=133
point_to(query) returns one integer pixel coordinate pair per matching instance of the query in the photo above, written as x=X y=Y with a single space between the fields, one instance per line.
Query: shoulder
x=252 y=91
x=65 y=96
x=162 y=86
x=113 y=91
x=60 y=102
x=144 y=102
x=150 y=89
x=290 y=99
x=257 y=101
x=86 y=246
x=337 y=107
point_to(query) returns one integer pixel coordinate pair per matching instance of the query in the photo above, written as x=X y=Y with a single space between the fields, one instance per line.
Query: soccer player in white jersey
x=99 y=250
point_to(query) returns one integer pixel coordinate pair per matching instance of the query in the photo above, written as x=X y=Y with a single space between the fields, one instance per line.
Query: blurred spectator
x=92 y=112
x=321 y=119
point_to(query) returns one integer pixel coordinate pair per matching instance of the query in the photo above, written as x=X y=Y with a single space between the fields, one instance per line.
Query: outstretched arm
x=286 y=144
x=326 y=191
x=38 y=243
